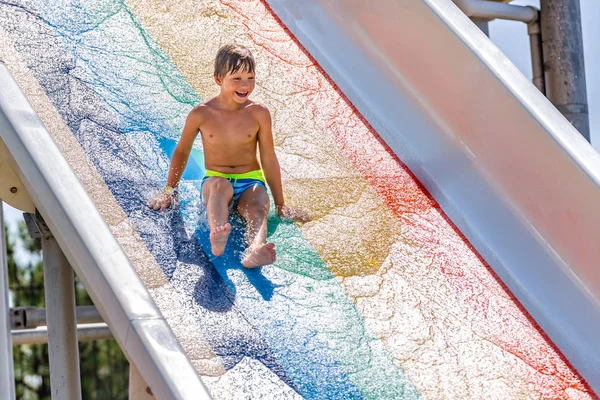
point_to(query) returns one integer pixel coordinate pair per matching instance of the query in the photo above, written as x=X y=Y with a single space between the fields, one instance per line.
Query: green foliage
x=103 y=367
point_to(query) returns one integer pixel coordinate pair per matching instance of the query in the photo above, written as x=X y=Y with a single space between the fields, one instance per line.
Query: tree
x=104 y=369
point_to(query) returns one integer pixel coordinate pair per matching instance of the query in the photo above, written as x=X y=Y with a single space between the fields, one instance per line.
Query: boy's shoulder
x=200 y=112
x=257 y=106
x=202 y=108
x=259 y=110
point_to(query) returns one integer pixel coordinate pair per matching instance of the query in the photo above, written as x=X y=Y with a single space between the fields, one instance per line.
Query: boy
x=232 y=126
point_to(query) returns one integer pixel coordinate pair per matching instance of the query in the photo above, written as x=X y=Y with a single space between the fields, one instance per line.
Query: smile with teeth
x=242 y=94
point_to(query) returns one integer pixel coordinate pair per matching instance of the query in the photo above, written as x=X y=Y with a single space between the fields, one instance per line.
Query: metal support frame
x=483 y=11
x=7 y=379
x=537 y=58
x=59 y=290
x=85 y=333
x=557 y=60
x=32 y=317
x=487 y=9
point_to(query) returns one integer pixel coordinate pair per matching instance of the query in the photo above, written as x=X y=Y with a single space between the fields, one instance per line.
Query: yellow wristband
x=169 y=190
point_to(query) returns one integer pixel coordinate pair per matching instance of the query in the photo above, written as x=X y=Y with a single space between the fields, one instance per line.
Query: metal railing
x=93 y=252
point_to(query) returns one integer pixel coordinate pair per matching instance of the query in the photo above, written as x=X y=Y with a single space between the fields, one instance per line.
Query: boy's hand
x=161 y=201
x=292 y=213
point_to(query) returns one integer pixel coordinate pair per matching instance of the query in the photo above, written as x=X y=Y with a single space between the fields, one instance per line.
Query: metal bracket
x=32 y=317
x=18 y=317
x=12 y=190
x=37 y=226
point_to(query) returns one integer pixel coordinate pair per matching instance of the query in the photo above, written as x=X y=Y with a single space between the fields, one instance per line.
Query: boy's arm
x=268 y=158
x=270 y=165
x=184 y=147
x=179 y=160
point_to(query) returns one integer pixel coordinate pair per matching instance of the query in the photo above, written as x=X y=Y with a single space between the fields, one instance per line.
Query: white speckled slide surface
x=391 y=291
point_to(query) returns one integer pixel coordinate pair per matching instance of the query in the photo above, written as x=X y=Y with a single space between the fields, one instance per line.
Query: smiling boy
x=232 y=127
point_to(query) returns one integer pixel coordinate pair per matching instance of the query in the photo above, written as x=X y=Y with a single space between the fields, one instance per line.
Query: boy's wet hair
x=233 y=58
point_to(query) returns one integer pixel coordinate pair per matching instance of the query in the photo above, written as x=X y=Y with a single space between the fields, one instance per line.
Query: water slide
x=452 y=251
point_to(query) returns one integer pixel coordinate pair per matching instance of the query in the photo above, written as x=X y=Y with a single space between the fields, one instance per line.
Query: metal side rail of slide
x=514 y=176
x=92 y=250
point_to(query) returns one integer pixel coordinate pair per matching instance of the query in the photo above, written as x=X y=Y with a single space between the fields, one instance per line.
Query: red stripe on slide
x=507 y=324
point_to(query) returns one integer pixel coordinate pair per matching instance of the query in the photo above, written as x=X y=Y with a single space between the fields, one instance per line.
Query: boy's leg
x=217 y=194
x=253 y=206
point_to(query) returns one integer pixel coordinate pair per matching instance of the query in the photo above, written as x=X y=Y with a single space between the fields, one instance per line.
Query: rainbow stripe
x=378 y=297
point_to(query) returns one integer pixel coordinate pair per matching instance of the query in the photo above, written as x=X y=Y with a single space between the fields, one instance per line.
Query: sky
x=511 y=37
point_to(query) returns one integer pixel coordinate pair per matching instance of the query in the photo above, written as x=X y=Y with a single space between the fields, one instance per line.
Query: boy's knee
x=257 y=206
x=221 y=186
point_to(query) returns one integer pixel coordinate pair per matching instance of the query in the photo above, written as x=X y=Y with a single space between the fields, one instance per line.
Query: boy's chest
x=230 y=129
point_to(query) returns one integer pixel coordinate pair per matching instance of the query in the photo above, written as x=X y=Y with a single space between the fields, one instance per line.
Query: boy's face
x=237 y=86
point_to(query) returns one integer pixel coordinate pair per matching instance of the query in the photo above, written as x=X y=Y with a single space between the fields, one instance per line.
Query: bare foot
x=258 y=256
x=218 y=239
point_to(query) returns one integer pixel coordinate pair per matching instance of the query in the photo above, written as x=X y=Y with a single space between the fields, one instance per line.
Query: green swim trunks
x=240 y=182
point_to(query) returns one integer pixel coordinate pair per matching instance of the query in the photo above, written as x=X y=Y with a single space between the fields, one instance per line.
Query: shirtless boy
x=231 y=127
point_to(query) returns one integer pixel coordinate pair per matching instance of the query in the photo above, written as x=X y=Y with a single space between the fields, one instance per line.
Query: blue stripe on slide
x=193 y=171
x=118 y=125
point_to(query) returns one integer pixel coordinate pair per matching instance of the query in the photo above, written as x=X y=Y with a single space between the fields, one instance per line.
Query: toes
x=221 y=229
x=218 y=239
x=262 y=255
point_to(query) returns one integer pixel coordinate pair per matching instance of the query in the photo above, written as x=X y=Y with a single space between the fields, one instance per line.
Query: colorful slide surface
x=418 y=275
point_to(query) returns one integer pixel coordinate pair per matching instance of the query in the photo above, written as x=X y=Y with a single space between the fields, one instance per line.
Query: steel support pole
x=537 y=59
x=61 y=321
x=85 y=333
x=564 y=62
x=7 y=379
